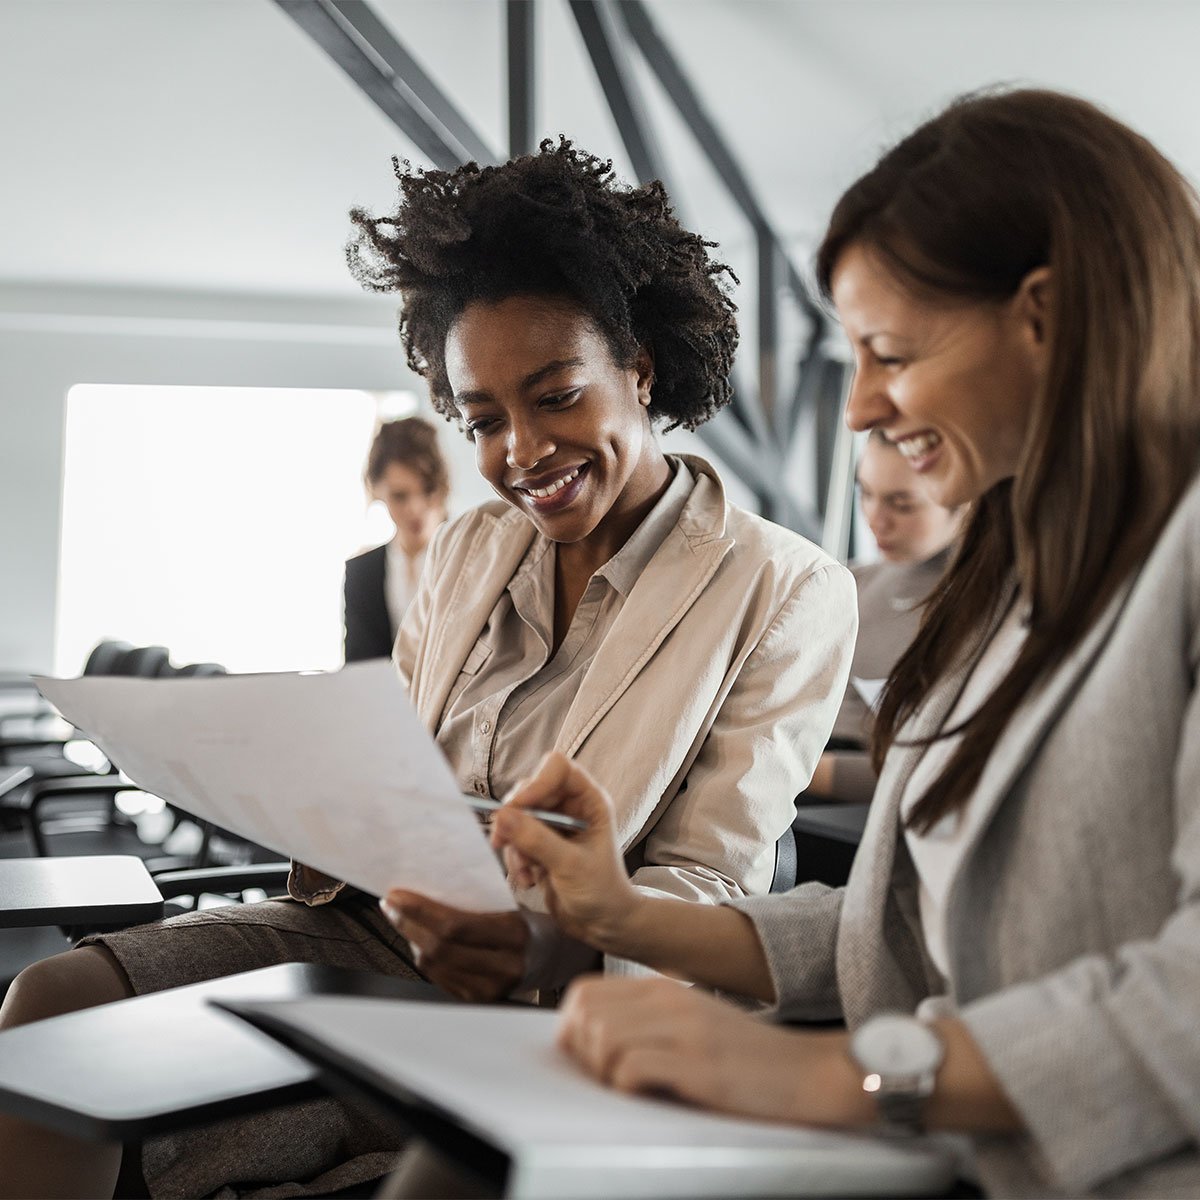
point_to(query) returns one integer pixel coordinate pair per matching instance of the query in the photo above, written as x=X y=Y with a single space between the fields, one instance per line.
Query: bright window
x=214 y=521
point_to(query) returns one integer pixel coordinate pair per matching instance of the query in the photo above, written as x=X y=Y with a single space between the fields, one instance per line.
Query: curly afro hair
x=555 y=223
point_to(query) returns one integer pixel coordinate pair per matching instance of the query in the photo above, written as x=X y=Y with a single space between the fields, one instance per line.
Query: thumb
x=560 y=783
x=527 y=835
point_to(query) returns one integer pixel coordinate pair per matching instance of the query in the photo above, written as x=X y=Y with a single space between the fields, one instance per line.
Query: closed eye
x=560 y=399
x=475 y=428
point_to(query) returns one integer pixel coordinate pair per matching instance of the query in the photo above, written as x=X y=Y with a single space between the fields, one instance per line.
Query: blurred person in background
x=407 y=472
x=915 y=537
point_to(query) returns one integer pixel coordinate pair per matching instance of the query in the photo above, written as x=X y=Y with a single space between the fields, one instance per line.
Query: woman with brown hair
x=1017 y=952
x=407 y=472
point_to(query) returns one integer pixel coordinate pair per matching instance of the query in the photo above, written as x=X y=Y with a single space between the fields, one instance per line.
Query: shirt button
x=485 y=727
x=481 y=787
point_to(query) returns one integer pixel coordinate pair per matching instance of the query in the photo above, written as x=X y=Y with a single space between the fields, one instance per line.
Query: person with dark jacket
x=406 y=471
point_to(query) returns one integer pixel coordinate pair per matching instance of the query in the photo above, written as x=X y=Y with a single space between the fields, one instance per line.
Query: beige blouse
x=511 y=697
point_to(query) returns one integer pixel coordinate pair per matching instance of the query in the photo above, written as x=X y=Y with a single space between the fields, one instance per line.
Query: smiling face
x=907 y=526
x=561 y=430
x=951 y=385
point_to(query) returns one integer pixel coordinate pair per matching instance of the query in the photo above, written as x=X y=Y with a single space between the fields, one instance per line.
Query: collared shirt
x=937 y=855
x=401 y=576
x=511 y=681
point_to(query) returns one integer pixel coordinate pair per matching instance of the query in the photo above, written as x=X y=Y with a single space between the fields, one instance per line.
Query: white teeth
x=557 y=486
x=914 y=447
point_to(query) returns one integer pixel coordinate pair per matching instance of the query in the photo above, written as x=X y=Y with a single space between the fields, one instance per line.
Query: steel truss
x=756 y=435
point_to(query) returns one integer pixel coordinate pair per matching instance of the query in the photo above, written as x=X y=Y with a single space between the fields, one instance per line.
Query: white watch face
x=894 y=1044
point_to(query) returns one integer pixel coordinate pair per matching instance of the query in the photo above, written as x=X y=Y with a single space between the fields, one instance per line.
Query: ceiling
x=209 y=145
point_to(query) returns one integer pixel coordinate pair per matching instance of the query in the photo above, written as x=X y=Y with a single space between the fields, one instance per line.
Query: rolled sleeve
x=798 y=934
x=716 y=840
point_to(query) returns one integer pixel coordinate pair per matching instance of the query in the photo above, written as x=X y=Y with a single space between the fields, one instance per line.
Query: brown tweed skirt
x=307 y=1149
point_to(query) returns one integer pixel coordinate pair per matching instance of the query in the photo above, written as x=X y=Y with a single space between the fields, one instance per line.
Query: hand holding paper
x=335 y=771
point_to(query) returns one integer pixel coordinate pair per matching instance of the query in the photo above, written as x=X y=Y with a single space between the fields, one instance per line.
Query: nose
x=868 y=404
x=528 y=445
x=879 y=524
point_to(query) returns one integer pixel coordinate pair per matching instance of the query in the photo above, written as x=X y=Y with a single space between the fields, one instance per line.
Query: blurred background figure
x=406 y=471
x=915 y=539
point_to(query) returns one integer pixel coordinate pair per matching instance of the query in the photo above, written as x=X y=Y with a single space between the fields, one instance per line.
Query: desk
x=11 y=778
x=115 y=890
x=170 y=1060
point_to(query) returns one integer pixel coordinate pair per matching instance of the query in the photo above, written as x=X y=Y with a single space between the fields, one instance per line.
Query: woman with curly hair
x=610 y=603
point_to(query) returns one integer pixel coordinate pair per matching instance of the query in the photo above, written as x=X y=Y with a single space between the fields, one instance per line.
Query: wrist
x=622 y=929
x=833 y=1094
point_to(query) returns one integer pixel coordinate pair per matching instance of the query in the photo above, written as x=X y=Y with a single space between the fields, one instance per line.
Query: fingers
x=560 y=783
x=604 y=1020
x=535 y=844
x=522 y=872
x=471 y=955
x=650 y=1070
x=424 y=920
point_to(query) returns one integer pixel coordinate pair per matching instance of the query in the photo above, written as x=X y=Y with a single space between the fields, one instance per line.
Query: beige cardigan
x=1073 y=923
x=704 y=711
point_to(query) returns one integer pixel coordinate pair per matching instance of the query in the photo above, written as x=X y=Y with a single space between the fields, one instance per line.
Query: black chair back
x=107 y=658
x=147 y=662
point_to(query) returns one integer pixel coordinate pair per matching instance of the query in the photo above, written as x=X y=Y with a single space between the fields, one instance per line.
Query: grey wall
x=51 y=340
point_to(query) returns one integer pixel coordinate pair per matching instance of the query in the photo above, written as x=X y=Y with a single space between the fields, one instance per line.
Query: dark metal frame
x=520 y=39
x=755 y=436
x=354 y=37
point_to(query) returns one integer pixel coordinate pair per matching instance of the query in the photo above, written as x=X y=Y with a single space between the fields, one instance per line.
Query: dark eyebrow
x=559 y=364
x=530 y=380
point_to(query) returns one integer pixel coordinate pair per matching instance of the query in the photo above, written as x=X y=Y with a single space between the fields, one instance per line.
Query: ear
x=1032 y=308
x=643 y=366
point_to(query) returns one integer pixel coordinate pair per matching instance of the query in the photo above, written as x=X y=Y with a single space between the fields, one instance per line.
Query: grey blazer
x=1073 y=924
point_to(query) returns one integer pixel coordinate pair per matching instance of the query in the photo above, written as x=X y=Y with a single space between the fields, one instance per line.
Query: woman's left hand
x=475 y=956
x=656 y=1036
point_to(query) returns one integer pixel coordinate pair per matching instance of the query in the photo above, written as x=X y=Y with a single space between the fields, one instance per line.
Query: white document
x=497 y=1071
x=335 y=771
x=869 y=690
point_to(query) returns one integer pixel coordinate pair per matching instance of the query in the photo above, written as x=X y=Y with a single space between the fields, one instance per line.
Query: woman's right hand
x=582 y=874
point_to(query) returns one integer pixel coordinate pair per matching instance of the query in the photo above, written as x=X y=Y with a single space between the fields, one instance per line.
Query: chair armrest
x=45 y=713
x=34 y=743
x=29 y=800
x=222 y=879
x=68 y=787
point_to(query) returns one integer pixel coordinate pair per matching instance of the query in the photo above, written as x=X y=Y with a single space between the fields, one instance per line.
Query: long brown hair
x=962 y=210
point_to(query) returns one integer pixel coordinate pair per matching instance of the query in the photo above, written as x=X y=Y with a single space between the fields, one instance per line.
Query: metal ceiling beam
x=675 y=82
x=519 y=16
x=370 y=54
x=769 y=279
x=604 y=41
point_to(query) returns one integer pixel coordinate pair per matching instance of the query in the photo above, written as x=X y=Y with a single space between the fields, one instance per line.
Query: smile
x=553 y=492
x=917 y=446
x=549 y=490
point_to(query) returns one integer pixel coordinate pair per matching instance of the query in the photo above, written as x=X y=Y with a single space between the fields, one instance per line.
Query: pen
x=561 y=820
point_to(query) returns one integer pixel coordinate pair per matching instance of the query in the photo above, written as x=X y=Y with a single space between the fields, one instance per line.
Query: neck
x=409 y=552
x=645 y=489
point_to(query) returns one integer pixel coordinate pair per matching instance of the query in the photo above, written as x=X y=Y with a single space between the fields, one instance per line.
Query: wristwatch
x=899 y=1057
